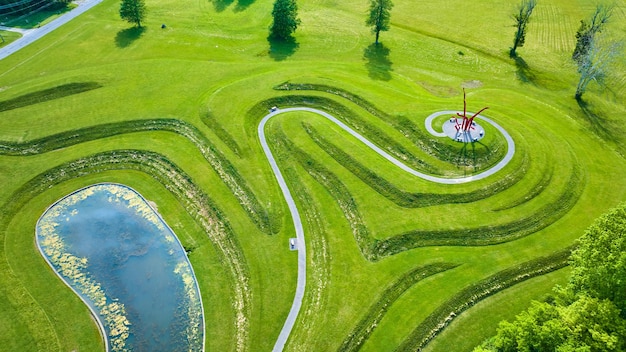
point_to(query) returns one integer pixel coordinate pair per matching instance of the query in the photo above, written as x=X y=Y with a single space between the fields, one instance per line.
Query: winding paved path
x=295 y=215
x=31 y=35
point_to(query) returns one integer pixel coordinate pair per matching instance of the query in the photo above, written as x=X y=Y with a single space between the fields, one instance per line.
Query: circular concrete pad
x=454 y=130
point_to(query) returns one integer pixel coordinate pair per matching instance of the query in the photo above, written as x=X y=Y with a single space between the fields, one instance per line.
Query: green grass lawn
x=173 y=113
x=8 y=37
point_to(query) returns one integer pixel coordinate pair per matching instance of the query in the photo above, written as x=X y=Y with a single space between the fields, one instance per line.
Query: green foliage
x=379 y=15
x=599 y=264
x=522 y=17
x=589 y=313
x=586 y=34
x=285 y=19
x=587 y=324
x=594 y=65
x=133 y=11
x=469 y=296
x=592 y=57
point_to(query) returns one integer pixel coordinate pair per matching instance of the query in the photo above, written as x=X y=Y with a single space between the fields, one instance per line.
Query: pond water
x=126 y=264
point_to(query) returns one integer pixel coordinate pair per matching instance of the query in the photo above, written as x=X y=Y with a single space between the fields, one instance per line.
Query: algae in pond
x=112 y=248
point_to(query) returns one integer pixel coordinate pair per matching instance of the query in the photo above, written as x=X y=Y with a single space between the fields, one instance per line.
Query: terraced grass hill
x=394 y=261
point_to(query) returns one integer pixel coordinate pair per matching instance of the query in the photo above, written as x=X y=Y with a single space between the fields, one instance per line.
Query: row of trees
x=286 y=21
x=591 y=56
x=284 y=15
x=589 y=314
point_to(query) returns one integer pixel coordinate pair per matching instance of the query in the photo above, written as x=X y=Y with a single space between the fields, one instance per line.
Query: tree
x=592 y=57
x=599 y=263
x=285 y=14
x=379 y=15
x=522 y=17
x=133 y=11
x=589 y=314
x=586 y=34
x=587 y=324
x=594 y=66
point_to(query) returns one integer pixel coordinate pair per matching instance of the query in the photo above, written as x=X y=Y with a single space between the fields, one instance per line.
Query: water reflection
x=120 y=257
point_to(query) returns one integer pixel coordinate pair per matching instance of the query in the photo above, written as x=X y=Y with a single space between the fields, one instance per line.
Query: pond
x=113 y=249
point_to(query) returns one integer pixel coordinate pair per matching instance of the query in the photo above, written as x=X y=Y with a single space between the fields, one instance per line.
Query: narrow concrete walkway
x=31 y=35
x=295 y=215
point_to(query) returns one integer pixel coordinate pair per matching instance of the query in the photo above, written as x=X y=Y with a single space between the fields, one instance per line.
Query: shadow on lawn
x=524 y=73
x=378 y=63
x=127 y=36
x=242 y=5
x=604 y=128
x=221 y=5
x=281 y=49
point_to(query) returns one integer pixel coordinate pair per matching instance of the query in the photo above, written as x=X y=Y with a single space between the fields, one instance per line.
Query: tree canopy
x=379 y=15
x=285 y=15
x=592 y=56
x=133 y=11
x=586 y=34
x=589 y=314
x=522 y=16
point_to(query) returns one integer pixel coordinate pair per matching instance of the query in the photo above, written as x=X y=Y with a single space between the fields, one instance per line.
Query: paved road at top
x=295 y=215
x=31 y=35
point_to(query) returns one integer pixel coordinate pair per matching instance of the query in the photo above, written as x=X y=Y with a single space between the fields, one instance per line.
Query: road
x=295 y=215
x=31 y=35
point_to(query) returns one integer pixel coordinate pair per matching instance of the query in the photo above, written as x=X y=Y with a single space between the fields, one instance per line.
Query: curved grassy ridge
x=197 y=203
x=209 y=120
x=225 y=170
x=318 y=266
x=374 y=249
x=533 y=192
x=343 y=113
x=469 y=296
x=486 y=157
x=408 y=199
x=376 y=312
x=53 y=93
x=489 y=235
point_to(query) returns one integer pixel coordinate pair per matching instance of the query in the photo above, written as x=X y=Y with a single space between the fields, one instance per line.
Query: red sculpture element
x=468 y=122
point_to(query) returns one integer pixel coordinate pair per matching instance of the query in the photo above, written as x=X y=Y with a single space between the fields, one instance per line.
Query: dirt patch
x=472 y=84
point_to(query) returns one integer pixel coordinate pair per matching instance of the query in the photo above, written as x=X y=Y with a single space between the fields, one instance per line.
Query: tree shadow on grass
x=524 y=73
x=127 y=36
x=604 y=128
x=281 y=49
x=378 y=63
x=221 y=5
x=242 y=5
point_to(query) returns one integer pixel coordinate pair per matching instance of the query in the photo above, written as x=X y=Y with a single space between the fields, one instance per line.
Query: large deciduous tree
x=592 y=56
x=586 y=34
x=589 y=314
x=379 y=15
x=522 y=16
x=133 y=11
x=285 y=15
x=595 y=65
x=599 y=263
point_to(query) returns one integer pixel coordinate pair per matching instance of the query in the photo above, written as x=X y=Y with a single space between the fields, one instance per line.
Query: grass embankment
x=8 y=37
x=210 y=76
